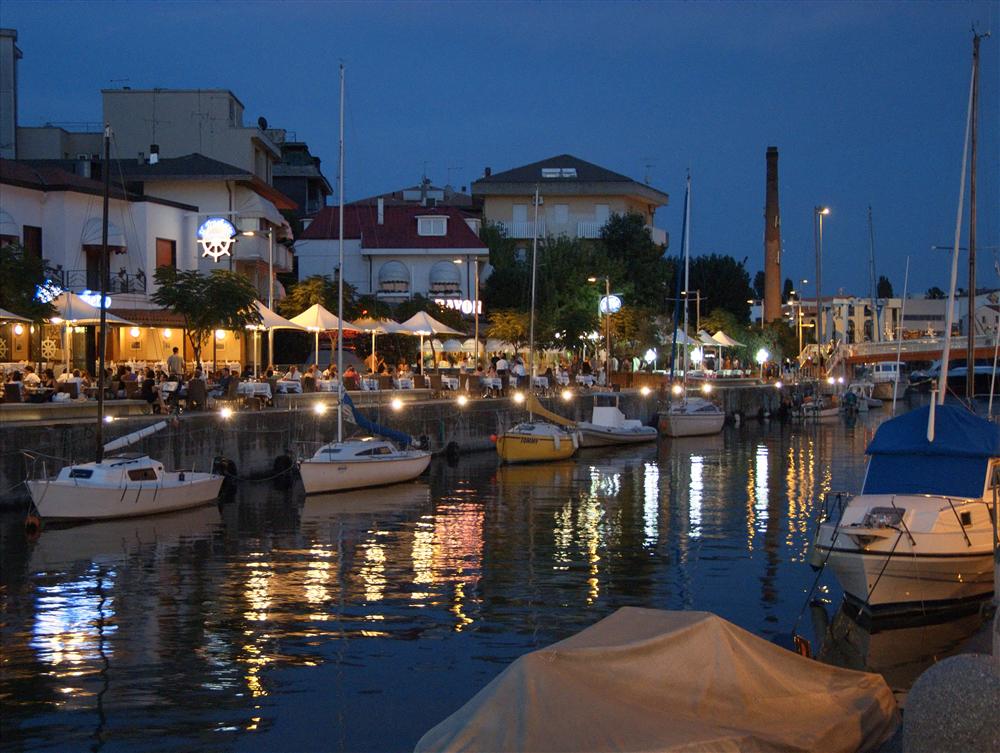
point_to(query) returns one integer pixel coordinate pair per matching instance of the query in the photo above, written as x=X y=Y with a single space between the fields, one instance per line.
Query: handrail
x=959 y=519
x=892 y=501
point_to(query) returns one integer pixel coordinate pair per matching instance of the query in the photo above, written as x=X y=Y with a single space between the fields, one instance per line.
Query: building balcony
x=523 y=230
x=255 y=248
x=78 y=280
x=589 y=229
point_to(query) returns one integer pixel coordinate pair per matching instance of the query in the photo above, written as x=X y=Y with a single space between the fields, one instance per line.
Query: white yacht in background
x=921 y=534
x=889 y=380
x=608 y=425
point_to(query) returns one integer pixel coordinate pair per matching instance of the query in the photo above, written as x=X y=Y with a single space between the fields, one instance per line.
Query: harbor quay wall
x=254 y=439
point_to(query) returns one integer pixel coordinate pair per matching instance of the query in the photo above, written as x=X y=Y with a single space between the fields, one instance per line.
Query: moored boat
x=920 y=535
x=608 y=425
x=360 y=463
x=536 y=442
x=694 y=416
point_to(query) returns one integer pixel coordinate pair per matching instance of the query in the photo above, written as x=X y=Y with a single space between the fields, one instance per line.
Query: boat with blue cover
x=922 y=532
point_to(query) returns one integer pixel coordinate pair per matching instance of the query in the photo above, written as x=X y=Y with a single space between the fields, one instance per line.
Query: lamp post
x=818 y=213
x=475 y=299
x=607 y=326
x=270 y=281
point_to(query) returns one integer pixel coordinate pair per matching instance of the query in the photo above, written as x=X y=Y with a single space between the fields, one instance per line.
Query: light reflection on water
x=357 y=621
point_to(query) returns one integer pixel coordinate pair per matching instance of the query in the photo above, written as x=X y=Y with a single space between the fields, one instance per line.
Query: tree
x=634 y=260
x=759 y=281
x=884 y=287
x=935 y=293
x=322 y=290
x=723 y=282
x=20 y=276
x=508 y=325
x=221 y=299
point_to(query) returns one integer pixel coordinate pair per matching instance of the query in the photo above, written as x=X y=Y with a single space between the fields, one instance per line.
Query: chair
x=197 y=395
x=308 y=383
x=132 y=390
x=70 y=388
x=435 y=384
x=12 y=393
x=385 y=382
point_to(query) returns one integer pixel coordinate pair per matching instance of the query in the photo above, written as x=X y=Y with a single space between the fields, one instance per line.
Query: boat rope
x=819 y=574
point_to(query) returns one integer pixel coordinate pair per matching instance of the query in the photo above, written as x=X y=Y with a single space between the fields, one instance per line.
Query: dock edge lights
x=462 y=400
x=396 y=404
x=566 y=395
x=706 y=388
x=778 y=385
x=319 y=409
x=226 y=412
x=831 y=380
x=677 y=389
x=518 y=397
x=644 y=391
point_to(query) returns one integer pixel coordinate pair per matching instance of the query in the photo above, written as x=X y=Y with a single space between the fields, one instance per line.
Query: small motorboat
x=819 y=408
x=921 y=534
x=864 y=396
x=608 y=425
x=536 y=441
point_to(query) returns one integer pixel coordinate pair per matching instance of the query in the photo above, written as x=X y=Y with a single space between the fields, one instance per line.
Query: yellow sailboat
x=538 y=441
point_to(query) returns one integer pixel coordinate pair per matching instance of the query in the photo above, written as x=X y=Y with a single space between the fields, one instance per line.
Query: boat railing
x=902 y=522
x=834 y=502
x=958 y=518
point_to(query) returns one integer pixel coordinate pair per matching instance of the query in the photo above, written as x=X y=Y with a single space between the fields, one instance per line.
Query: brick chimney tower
x=772 y=241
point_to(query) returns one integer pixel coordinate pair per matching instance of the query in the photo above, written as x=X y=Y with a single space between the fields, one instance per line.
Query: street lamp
x=819 y=212
x=607 y=327
x=270 y=281
x=475 y=300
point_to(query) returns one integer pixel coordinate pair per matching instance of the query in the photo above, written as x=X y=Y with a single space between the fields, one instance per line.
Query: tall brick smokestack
x=772 y=241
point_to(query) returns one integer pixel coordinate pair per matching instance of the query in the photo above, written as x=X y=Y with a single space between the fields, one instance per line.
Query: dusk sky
x=866 y=103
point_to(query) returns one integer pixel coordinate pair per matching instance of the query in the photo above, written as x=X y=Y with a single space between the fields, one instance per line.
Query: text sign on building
x=464 y=305
x=610 y=304
x=216 y=236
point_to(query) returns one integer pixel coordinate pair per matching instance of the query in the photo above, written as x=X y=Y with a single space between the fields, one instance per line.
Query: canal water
x=356 y=622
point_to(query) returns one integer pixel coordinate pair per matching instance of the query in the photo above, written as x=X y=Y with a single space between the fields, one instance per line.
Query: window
x=432 y=226
x=601 y=213
x=142 y=474
x=560 y=214
x=166 y=253
x=81 y=473
x=558 y=172
x=33 y=241
x=520 y=213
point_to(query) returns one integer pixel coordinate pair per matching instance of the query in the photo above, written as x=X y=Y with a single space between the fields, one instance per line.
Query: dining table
x=327 y=385
x=254 y=389
x=290 y=386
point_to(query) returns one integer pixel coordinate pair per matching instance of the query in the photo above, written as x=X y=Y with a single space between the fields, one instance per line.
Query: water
x=356 y=622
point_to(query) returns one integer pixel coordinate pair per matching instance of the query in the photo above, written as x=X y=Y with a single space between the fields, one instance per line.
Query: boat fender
x=493 y=438
x=555 y=441
x=32 y=526
x=452 y=451
x=424 y=442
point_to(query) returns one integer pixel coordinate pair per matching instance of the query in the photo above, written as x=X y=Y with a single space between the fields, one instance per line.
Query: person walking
x=175 y=365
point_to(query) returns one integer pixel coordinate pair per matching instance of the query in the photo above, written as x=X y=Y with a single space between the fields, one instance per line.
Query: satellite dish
x=262 y=123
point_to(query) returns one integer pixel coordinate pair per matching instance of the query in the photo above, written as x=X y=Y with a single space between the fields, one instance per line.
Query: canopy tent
x=683 y=338
x=378 y=327
x=269 y=321
x=954 y=464
x=423 y=324
x=74 y=311
x=725 y=340
x=645 y=679
x=8 y=316
x=317 y=319
x=707 y=339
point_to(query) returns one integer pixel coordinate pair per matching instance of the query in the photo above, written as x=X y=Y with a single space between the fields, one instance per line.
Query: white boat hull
x=885 y=390
x=320 y=476
x=691 y=425
x=58 y=499
x=593 y=435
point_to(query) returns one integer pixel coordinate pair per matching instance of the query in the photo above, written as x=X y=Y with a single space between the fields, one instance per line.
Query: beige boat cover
x=649 y=680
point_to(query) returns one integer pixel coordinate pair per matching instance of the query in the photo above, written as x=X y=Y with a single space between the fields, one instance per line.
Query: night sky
x=866 y=103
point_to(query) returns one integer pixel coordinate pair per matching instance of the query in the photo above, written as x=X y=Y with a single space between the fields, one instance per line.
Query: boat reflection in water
x=365 y=502
x=900 y=652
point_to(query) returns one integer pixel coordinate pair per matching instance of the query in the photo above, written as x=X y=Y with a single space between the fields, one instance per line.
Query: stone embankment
x=254 y=439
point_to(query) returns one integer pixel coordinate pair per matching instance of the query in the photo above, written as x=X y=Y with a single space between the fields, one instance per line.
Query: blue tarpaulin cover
x=383 y=431
x=954 y=464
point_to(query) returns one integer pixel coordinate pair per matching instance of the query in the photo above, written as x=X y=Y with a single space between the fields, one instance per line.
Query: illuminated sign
x=216 y=236
x=610 y=304
x=94 y=299
x=464 y=305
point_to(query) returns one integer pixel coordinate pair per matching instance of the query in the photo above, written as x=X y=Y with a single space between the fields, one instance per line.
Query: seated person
x=352 y=380
x=148 y=391
x=31 y=379
x=293 y=374
x=223 y=385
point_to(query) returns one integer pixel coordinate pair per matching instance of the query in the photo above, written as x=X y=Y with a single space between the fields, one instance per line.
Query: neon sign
x=464 y=305
x=216 y=236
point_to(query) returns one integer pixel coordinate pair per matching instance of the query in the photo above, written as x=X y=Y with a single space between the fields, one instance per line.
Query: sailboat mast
x=970 y=351
x=950 y=313
x=872 y=280
x=102 y=270
x=340 y=270
x=531 y=326
x=687 y=272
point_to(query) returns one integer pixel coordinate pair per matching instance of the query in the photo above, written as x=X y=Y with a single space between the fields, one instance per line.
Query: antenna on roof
x=649 y=164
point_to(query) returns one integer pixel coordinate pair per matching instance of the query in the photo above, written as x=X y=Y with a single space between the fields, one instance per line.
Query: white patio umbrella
x=317 y=319
x=74 y=311
x=378 y=327
x=269 y=321
x=723 y=339
x=683 y=338
x=452 y=346
x=8 y=316
x=423 y=324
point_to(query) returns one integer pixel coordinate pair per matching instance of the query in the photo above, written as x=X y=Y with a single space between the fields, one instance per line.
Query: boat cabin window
x=380 y=450
x=81 y=473
x=331 y=450
x=142 y=474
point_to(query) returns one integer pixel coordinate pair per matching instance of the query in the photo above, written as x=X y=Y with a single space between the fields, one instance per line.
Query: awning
x=250 y=205
x=91 y=235
x=7 y=225
x=271 y=320
x=73 y=309
x=723 y=339
x=151 y=317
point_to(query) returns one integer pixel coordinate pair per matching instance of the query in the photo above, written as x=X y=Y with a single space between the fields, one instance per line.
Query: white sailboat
x=535 y=440
x=121 y=486
x=608 y=425
x=367 y=461
x=690 y=416
x=921 y=533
